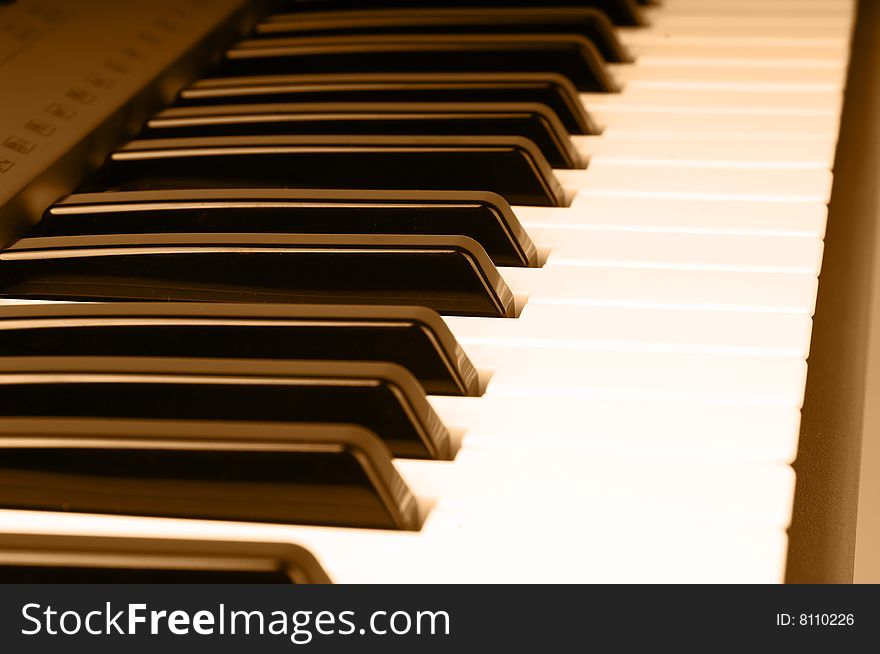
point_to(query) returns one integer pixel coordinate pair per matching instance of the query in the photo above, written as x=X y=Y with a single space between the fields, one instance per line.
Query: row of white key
x=642 y=255
x=553 y=370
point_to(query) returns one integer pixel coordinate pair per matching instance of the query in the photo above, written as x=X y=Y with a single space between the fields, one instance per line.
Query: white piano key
x=591 y=553
x=701 y=121
x=826 y=77
x=668 y=330
x=795 y=152
x=664 y=67
x=634 y=38
x=837 y=32
x=820 y=69
x=681 y=179
x=595 y=488
x=794 y=254
x=740 y=216
x=660 y=288
x=686 y=429
x=758 y=7
x=738 y=48
x=677 y=376
x=768 y=20
x=648 y=97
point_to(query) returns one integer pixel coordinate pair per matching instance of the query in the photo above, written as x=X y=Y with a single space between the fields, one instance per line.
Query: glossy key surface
x=589 y=22
x=381 y=397
x=413 y=337
x=297 y=474
x=511 y=166
x=534 y=122
x=621 y=12
x=485 y=217
x=450 y=274
x=554 y=91
x=570 y=55
x=65 y=558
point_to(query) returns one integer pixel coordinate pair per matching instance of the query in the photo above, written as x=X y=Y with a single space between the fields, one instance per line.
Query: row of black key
x=269 y=183
x=589 y=23
x=53 y=558
x=535 y=122
x=623 y=13
x=553 y=91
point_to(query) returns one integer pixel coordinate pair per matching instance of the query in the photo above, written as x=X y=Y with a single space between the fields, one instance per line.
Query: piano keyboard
x=227 y=336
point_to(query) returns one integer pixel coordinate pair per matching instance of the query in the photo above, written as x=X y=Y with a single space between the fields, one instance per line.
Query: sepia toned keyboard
x=479 y=291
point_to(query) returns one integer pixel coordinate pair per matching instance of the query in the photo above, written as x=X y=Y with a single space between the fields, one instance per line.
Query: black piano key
x=621 y=12
x=338 y=475
x=589 y=22
x=381 y=397
x=71 y=558
x=553 y=91
x=572 y=56
x=450 y=274
x=537 y=123
x=510 y=166
x=413 y=337
x=484 y=217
